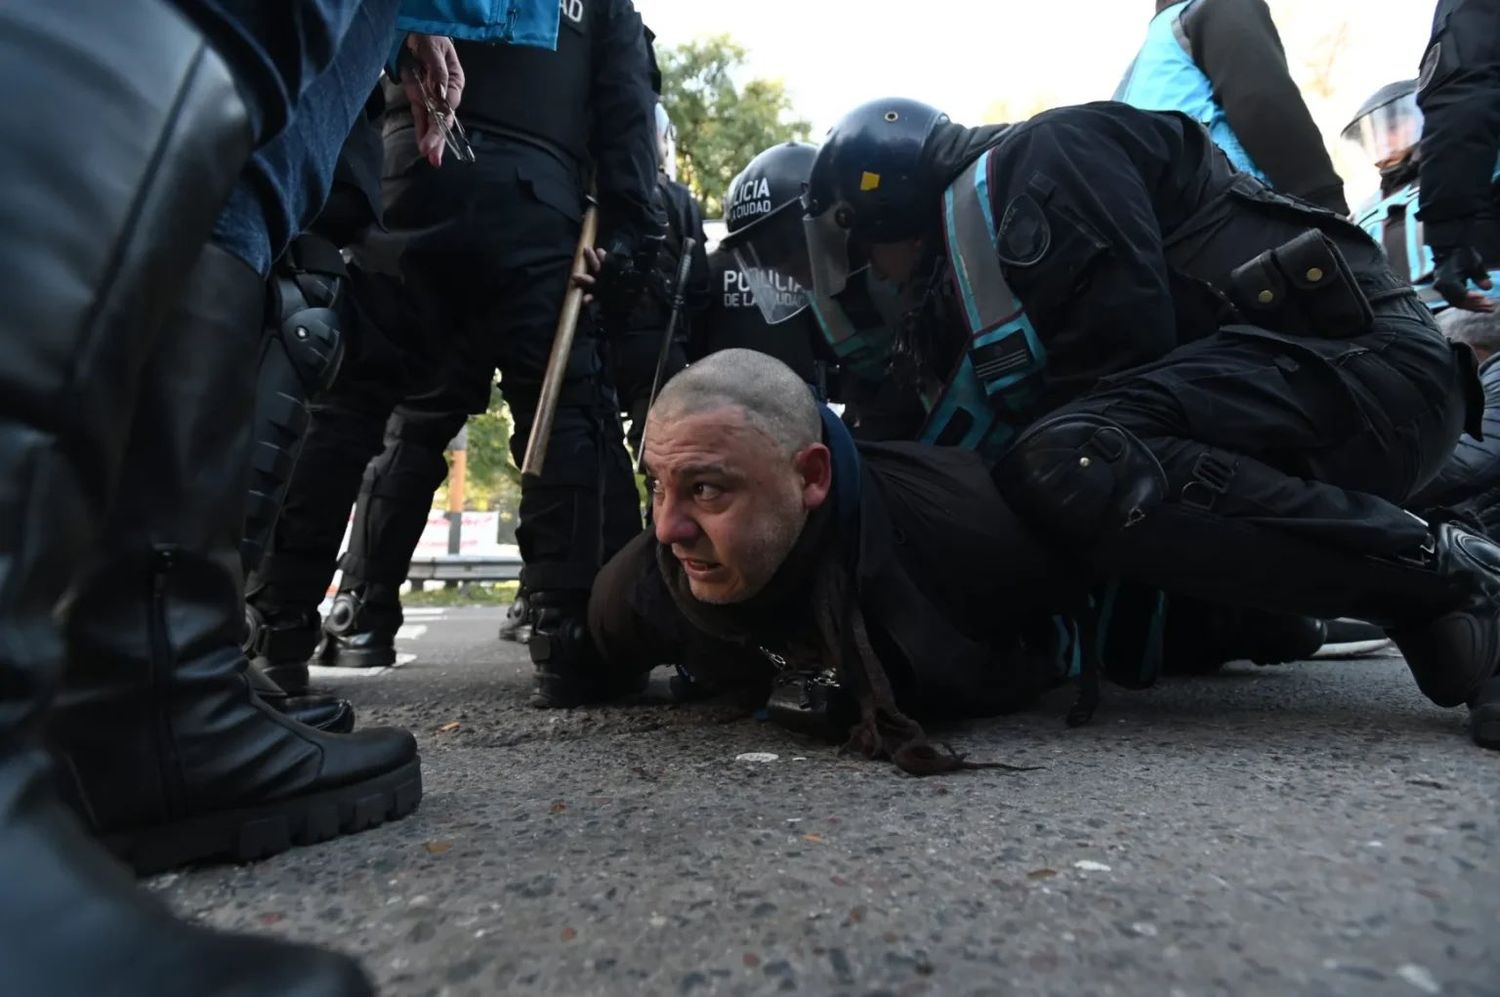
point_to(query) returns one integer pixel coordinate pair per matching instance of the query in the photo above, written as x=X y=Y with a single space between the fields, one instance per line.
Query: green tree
x=493 y=482
x=720 y=125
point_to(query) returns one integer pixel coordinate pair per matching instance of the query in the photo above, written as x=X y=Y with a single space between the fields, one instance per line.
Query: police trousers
x=471 y=272
x=1287 y=461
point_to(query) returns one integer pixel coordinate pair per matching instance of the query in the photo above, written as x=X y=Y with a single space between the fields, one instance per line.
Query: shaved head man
x=854 y=583
x=735 y=462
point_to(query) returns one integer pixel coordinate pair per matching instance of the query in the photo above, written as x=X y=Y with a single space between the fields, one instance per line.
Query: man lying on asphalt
x=865 y=582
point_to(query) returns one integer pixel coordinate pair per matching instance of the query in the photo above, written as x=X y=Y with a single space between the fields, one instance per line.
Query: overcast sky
x=964 y=56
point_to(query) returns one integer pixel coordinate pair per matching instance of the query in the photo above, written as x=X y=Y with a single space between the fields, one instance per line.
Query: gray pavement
x=1310 y=829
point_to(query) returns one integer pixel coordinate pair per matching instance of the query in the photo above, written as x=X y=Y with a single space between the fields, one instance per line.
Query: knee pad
x=1079 y=477
x=299 y=361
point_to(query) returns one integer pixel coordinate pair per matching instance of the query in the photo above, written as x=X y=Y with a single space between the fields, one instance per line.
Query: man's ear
x=814 y=465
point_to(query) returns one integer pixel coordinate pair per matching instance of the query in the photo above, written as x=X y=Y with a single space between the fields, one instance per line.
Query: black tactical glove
x=1455 y=268
x=628 y=267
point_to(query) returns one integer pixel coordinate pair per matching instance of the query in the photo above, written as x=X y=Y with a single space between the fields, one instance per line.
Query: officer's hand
x=435 y=90
x=619 y=283
x=594 y=262
x=1455 y=268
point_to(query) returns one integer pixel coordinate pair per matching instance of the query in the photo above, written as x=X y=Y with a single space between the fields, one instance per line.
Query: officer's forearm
x=624 y=137
x=1236 y=45
x=1460 y=140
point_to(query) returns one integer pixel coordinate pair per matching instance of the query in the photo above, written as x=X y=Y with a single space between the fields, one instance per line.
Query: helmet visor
x=773 y=257
x=1388 y=132
x=855 y=305
x=827 y=252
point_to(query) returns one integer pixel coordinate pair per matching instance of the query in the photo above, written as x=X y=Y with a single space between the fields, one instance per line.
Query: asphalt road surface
x=1309 y=829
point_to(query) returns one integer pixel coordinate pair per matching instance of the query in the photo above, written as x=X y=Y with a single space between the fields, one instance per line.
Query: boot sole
x=253 y=833
x=1353 y=649
x=556 y=694
x=382 y=658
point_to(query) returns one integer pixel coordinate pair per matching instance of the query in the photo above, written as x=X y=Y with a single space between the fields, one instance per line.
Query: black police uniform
x=472 y=271
x=1259 y=465
x=1459 y=94
x=732 y=321
x=633 y=349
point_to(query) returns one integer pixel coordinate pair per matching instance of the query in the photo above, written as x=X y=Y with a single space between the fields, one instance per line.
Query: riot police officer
x=1174 y=368
x=1458 y=92
x=1387 y=128
x=759 y=309
x=634 y=345
x=748 y=309
x=882 y=390
x=481 y=253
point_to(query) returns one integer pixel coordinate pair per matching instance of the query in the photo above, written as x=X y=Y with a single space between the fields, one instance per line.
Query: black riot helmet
x=763 y=219
x=868 y=185
x=1388 y=124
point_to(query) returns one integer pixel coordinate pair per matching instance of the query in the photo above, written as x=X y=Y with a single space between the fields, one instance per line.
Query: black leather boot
x=517 y=625
x=1437 y=598
x=173 y=757
x=1201 y=638
x=360 y=631
x=73 y=923
x=569 y=669
x=111 y=194
x=1455 y=656
x=326 y=713
x=281 y=642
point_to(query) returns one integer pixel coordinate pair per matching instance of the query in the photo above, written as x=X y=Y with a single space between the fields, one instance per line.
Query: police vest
x=1164 y=77
x=734 y=322
x=1392 y=221
x=1000 y=373
x=988 y=400
x=532 y=93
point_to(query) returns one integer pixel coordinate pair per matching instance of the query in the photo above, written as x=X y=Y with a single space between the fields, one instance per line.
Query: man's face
x=727 y=501
x=896 y=261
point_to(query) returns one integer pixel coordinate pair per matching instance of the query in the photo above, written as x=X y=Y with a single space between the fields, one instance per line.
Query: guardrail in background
x=465 y=568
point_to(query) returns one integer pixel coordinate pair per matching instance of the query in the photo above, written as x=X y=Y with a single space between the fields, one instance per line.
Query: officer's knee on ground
x=1080 y=477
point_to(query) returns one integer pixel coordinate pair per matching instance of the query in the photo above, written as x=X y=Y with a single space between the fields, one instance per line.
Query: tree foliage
x=720 y=124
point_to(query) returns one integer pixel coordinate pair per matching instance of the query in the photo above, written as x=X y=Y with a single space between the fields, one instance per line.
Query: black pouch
x=812 y=703
x=1302 y=288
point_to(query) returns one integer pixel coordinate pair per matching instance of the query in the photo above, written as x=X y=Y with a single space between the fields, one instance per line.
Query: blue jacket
x=513 y=22
x=1164 y=77
x=1221 y=62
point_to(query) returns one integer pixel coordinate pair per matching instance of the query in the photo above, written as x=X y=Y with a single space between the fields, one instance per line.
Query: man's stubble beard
x=770 y=546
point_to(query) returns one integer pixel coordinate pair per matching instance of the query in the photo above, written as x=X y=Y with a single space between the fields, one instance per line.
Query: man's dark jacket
x=953 y=593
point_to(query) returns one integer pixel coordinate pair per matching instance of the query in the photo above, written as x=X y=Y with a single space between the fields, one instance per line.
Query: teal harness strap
x=1000 y=372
